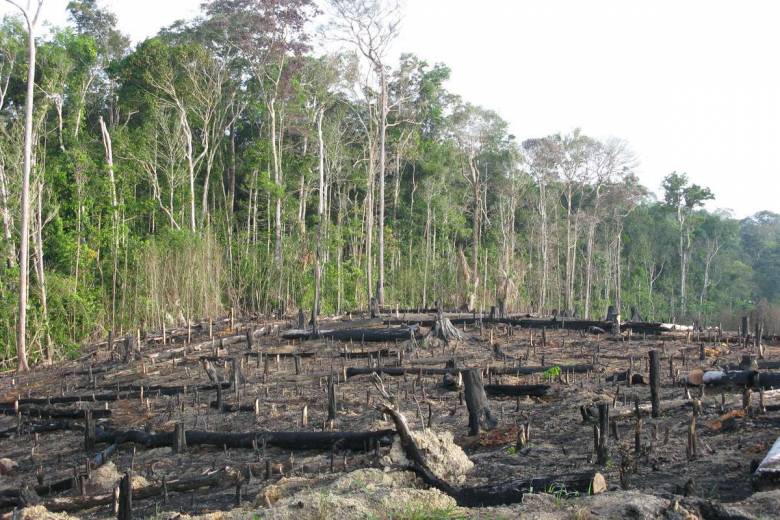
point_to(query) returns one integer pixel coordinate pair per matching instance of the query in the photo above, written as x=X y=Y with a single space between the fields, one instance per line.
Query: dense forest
x=231 y=162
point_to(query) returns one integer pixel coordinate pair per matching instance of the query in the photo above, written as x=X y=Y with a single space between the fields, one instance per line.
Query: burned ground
x=283 y=386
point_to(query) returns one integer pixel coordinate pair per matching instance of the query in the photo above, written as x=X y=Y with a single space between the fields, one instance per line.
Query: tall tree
x=31 y=14
x=270 y=36
x=372 y=26
x=684 y=199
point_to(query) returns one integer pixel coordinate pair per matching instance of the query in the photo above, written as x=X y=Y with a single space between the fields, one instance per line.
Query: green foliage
x=457 y=184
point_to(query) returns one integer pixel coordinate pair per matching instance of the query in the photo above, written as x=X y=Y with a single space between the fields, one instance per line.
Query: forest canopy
x=223 y=163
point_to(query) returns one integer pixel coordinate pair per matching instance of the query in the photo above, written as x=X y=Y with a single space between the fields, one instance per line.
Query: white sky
x=692 y=85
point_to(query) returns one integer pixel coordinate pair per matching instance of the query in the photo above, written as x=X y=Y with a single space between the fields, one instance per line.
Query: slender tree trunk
x=427 y=252
x=115 y=216
x=569 y=269
x=589 y=266
x=232 y=173
x=278 y=182
x=320 y=214
x=24 y=228
x=5 y=213
x=41 y=273
x=380 y=287
x=712 y=249
x=543 y=246
x=370 y=221
x=190 y=164
x=475 y=246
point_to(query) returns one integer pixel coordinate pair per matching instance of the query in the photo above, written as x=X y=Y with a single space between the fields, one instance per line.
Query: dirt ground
x=660 y=480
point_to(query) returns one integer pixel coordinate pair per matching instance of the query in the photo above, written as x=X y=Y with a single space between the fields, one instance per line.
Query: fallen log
x=426 y=371
x=636 y=379
x=365 y=354
x=66 y=484
x=528 y=370
x=570 y=486
x=733 y=379
x=13 y=498
x=221 y=478
x=564 y=323
x=54 y=413
x=767 y=475
x=526 y=323
x=624 y=412
x=362 y=335
x=128 y=391
x=266 y=353
x=771 y=398
x=51 y=426
x=517 y=390
x=250 y=440
x=654 y=328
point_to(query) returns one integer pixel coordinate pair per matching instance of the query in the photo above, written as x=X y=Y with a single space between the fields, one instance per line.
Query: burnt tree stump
x=655 y=382
x=480 y=416
x=126 y=498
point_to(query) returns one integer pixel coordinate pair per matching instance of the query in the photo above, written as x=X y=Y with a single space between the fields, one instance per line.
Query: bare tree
x=372 y=26
x=31 y=14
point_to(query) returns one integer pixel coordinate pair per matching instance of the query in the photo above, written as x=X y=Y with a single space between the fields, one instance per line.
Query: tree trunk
x=480 y=416
x=41 y=273
x=115 y=215
x=278 y=182
x=320 y=215
x=24 y=228
x=369 y=207
x=5 y=213
x=380 y=284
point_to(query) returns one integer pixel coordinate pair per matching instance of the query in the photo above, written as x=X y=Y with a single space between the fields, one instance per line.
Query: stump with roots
x=444 y=330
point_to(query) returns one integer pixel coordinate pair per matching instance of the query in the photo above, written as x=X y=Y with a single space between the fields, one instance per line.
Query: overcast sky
x=693 y=86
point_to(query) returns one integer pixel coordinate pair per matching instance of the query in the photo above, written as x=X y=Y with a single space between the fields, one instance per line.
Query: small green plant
x=511 y=450
x=560 y=493
x=552 y=372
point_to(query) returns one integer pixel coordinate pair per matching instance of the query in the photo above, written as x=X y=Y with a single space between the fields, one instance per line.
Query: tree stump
x=480 y=416
x=126 y=497
x=655 y=382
